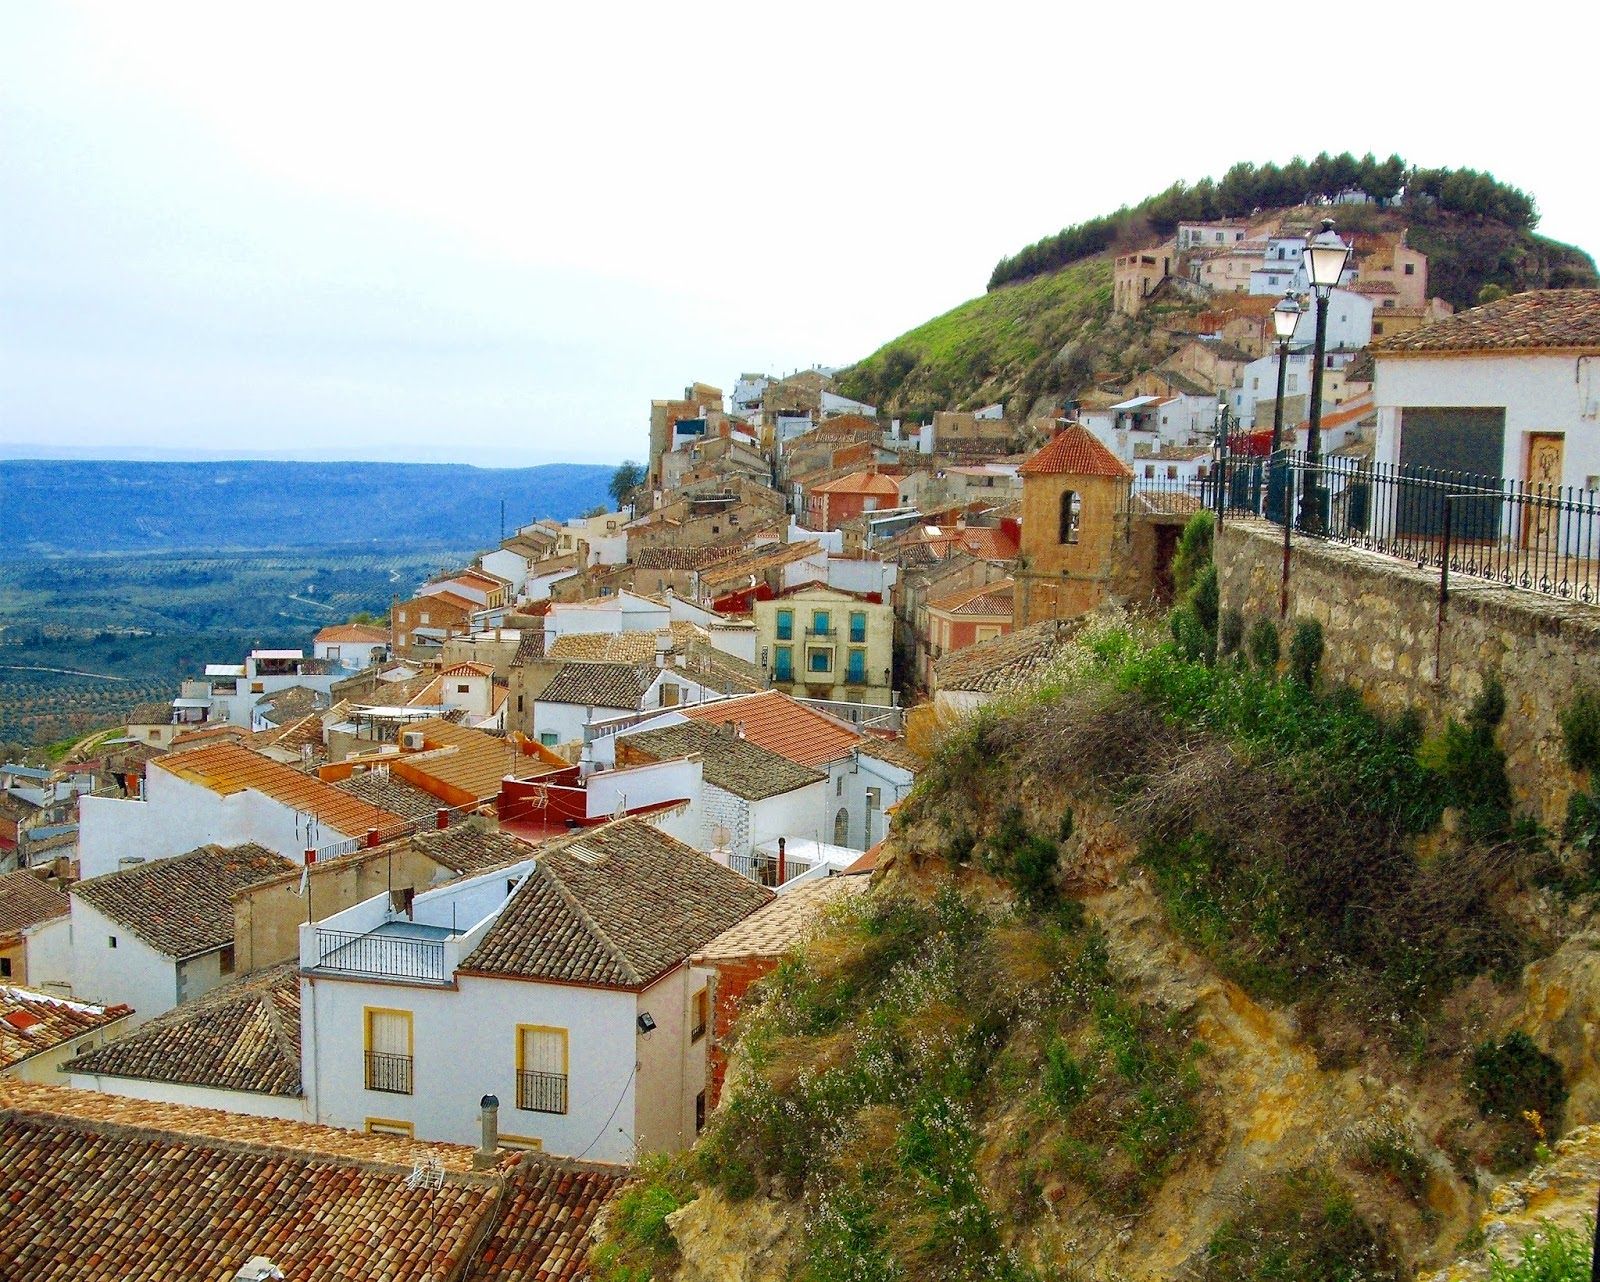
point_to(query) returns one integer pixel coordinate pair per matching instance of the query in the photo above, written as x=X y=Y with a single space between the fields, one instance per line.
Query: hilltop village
x=445 y=922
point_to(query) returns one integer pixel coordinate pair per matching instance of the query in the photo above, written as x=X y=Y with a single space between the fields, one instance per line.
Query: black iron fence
x=1534 y=537
x=381 y=955
x=542 y=1092
x=391 y=1073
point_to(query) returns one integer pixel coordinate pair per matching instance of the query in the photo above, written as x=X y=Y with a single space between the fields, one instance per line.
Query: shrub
x=1305 y=653
x=1026 y=861
x=1230 y=632
x=1264 y=645
x=1066 y=1081
x=1194 y=552
x=1472 y=765
x=1189 y=635
x=1513 y=1082
x=638 y=1244
x=1206 y=598
x=1304 y=1225
x=1388 y=1152
x=1580 y=729
x=1553 y=1254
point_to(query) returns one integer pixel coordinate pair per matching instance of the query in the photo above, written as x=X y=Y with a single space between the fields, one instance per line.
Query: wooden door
x=1541 y=522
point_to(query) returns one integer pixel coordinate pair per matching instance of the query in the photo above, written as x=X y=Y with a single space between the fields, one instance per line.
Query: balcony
x=542 y=1092
x=395 y=950
x=388 y=1073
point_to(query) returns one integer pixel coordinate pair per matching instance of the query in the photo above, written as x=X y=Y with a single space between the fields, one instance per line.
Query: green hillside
x=1044 y=331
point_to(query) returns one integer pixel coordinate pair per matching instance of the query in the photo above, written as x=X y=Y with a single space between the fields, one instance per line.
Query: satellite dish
x=720 y=837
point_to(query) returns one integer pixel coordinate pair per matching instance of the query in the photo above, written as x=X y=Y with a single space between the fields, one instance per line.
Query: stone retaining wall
x=1386 y=635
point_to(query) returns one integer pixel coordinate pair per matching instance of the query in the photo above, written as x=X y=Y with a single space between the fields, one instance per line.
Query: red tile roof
x=782 y=725
x=32 y=1023
x=1562 y=320
x=359 y=633
x=213 y=1189
x=860 y=483
x=26 y=900
x=1075 y=452
x=227 y=768
x=987 y=600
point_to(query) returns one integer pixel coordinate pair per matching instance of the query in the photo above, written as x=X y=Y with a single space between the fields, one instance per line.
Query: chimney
x=441 y=818
x=489 y=1111
x=781 y=844
x=372 y=837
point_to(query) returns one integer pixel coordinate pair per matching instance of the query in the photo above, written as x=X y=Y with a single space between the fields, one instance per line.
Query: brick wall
x=732 y=982
x=1386 y=635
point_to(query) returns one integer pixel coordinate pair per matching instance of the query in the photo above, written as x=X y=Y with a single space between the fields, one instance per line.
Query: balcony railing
x=542 y=1092
x=391 y=1073
x=381 y=956
x=763 y=869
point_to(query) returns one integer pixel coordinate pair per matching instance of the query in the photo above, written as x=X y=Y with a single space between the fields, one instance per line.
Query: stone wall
x=1387 y=636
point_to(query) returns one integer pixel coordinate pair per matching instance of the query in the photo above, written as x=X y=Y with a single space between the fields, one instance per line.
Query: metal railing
x=1524 y=535
x=391 y=1073
x=381 y=956
x=542 y=1092
x=763 y=869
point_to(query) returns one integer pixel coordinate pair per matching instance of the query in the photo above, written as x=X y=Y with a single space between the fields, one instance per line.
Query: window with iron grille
x=541 y=1069
x=388 y=1051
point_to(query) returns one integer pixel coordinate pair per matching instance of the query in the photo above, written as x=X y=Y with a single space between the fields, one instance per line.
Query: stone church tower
x=1072 y=493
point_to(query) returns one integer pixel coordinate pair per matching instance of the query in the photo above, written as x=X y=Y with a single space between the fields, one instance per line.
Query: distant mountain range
x=49 y=506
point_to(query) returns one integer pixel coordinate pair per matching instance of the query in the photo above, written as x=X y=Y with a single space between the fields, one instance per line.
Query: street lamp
x=1285 y=319
x=1221 y=426
x=1325 y=258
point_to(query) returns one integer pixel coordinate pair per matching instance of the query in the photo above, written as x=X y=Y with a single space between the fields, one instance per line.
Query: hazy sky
x=491 y=234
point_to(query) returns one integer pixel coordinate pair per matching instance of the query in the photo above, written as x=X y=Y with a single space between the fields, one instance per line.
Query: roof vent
x=586 y=856
x=258 y=1269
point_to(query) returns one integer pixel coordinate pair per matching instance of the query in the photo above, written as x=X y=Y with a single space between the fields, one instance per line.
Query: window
x=858 y=626
x=388 y=1050
x=785 y=625
x=258 y=687
x=820 y=660
x=519 y=703
x=333 y=653
x=424 y=617
x=5 y=968
x=225 y=960
x=548 y=738
x=783 y=663
x=111 y=941
x=699 y=1112
x=541 y=1068
x=389 y=1126
x=821 y=622
x=670 y=694
x=1071 y=514
x=1411 y=269
x=1377 y=327
x=699 y=1010
x=1172 y=472
x=463 y=688
x=874 y=798
x=838 y=786
x=858 y=667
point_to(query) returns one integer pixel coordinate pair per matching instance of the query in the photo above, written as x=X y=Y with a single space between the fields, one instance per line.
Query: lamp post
x=1325 y=258
x=1285 y=318
x=1221 y=427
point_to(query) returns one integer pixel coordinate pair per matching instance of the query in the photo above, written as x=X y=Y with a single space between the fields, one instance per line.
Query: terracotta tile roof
x=32 y=1023
x=1074 y=451
x=468 y=669
x=782 y=725
x=992 y=667
x=895 y=751
x=783 y=924
x=468 y=850
x=183 y=905
x=1354 y=412
x=357 y=633
x=26 y=900
x=476 y=765
x=1540 y=320
x=987 y=600
x=867 y=863
x=388 y=793
x=860 y=483
x=192 y=739
x=149 y=714
x=243 y=1036
x=228 y=768
x=605 y=647
x=601 y=685
x=617 y=906
x=733 y=764
x=1164 y=503
x=665 y=558
x=103 y=1200
x=543 y=1234
x=766 y=556
x=290 y=704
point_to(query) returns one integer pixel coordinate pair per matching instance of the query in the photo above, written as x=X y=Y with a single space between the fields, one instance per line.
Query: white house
x=561 y=985
x=748 y=793
x=236 y=1048
x=224 y=795
x=155 y=935
x=621 y=612
x=352 y=646
x=581 y=694
x=1510 y=389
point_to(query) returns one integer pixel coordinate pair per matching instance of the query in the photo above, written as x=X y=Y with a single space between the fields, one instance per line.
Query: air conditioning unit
x=411 y=740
